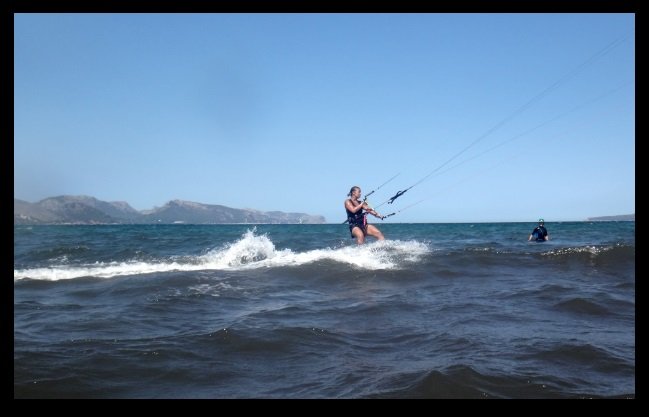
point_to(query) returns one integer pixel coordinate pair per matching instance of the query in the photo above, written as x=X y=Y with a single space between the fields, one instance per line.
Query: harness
x=358 y=219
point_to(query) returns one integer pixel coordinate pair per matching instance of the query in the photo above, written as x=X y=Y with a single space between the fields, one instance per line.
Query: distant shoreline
x=619 y=218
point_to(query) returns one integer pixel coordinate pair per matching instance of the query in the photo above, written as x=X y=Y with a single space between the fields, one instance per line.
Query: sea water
x=468 y=310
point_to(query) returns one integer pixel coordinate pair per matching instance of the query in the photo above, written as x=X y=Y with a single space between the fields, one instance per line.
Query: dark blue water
x=299 y=311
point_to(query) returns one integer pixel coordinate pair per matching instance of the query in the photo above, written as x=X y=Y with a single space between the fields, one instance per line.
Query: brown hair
x=356 y=187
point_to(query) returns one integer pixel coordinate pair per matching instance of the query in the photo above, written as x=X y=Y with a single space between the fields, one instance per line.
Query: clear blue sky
x=288 y=111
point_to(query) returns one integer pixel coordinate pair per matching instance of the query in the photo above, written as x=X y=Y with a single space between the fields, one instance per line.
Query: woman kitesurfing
x=357 y=211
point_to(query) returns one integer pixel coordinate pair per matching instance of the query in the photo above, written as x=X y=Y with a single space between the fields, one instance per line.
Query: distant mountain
x=84 y=209
x=88 y=210
x=619 y=218
x=25 y=212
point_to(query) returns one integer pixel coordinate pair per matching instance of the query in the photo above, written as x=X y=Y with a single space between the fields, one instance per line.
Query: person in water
x=357 y=211
x=540 y=233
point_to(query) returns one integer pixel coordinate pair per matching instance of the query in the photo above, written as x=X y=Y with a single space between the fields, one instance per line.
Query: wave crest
x=251 y=251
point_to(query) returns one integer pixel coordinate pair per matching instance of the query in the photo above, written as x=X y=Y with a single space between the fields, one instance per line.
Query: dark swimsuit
x=356 y=220
x=539 y=233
